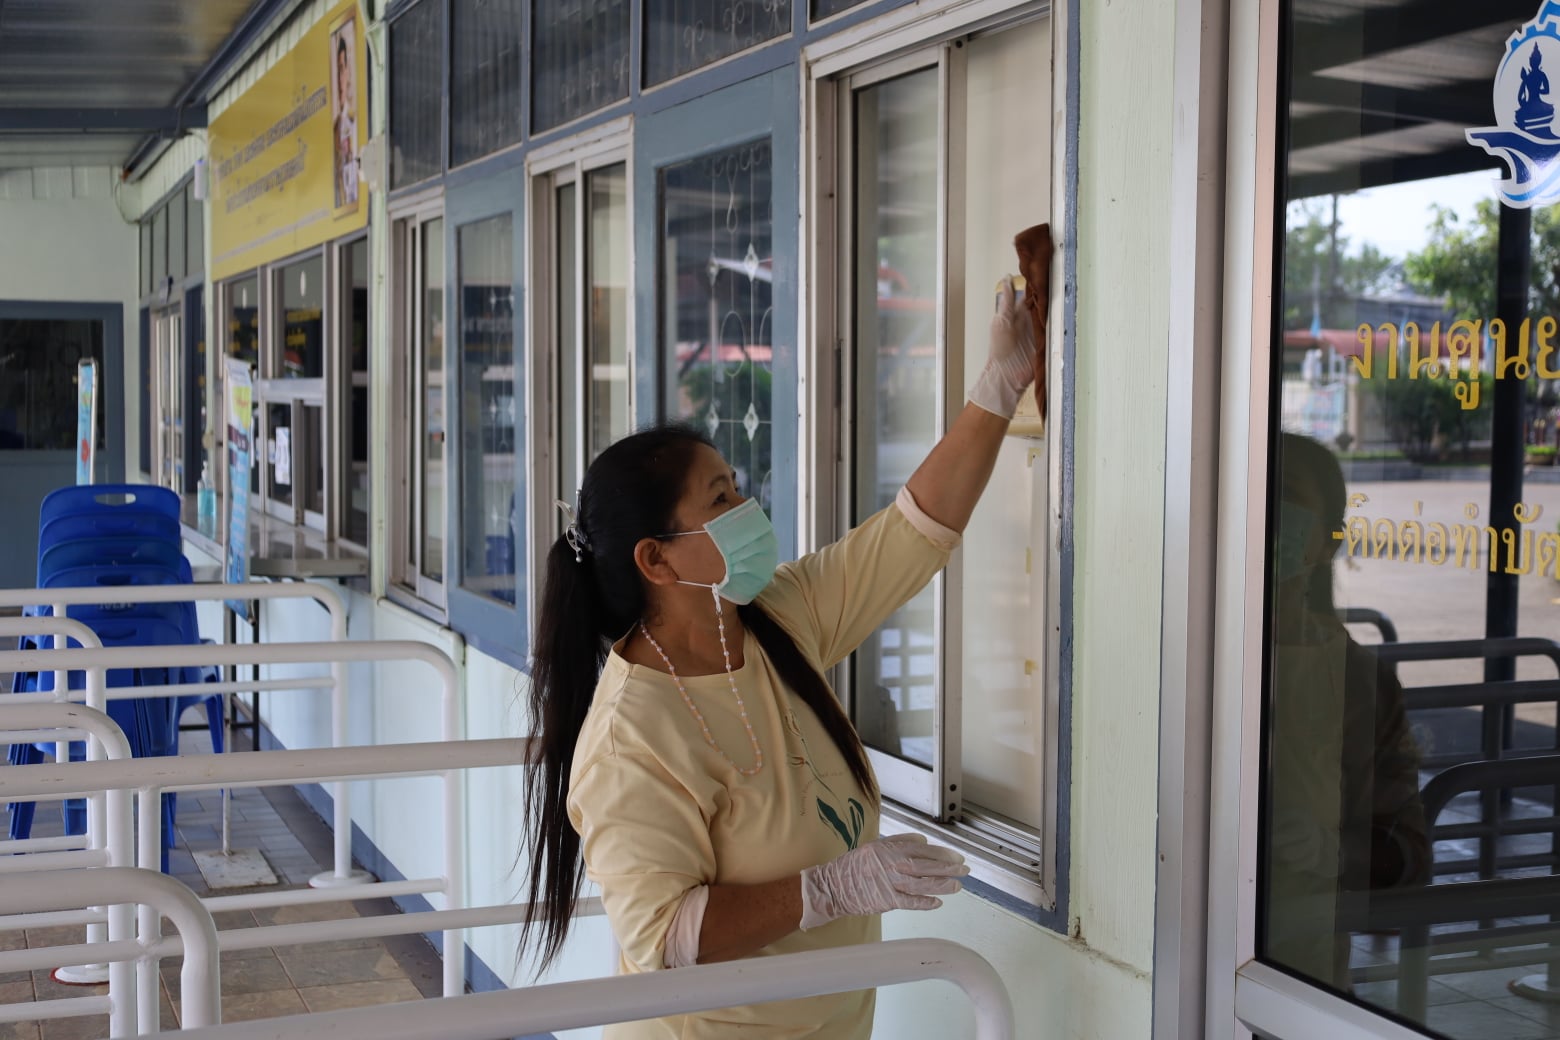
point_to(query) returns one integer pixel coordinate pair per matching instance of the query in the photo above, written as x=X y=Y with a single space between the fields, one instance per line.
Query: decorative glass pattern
x=416 y=94
x=822 y=9
x=716 y=336
x=684 y=35
x=488 y=516
x=579 y=58
x=485 y=77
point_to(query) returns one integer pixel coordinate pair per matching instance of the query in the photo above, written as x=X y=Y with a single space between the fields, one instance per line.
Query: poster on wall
x=240 y=433
x=86 y=420
x=286 y=155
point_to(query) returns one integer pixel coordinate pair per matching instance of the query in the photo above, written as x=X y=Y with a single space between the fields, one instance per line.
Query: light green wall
x=1122 y=311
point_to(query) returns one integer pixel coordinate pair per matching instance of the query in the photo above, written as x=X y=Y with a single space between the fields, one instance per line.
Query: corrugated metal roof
x=84 y=82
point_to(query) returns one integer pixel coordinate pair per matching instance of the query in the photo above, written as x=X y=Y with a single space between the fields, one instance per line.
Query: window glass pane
x=825 y=8
x=607 y=277
x=243 y=319
x=416 y=94
x=1408 y=798
x=355 y=489
x=569 y=409
x=309 y=454
x=280 y=454
x=579 y=59
x=485 y=77
x=683 y=35
x=176 y=239
x=716 y=250
x=897 y=384
x=432 y=449
x=301 y=287
x=146 y=257
x=195 y=236
x=487 y=407
x=159 y=250
x=38 y=381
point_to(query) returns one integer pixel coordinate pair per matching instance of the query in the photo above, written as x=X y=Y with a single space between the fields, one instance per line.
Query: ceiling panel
x=103 y=54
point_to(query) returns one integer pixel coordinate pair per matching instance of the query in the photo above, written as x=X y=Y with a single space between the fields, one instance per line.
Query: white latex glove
x=1010 y=366
x=901 y=872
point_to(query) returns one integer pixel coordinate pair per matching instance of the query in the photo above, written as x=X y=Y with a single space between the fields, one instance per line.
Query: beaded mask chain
x=709 y=738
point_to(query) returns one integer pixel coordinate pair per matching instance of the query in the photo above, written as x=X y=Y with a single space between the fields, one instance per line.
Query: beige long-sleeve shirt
x=661 y=813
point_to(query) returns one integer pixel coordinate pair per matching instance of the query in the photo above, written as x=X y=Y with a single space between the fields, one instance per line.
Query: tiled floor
x=262 y=983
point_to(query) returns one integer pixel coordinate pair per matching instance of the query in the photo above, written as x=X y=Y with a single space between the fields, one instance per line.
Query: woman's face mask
x=746 y=541
x=1296 y=525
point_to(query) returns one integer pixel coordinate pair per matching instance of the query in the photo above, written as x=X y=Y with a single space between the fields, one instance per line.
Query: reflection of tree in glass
x=1321 y=269
x=1459 y=263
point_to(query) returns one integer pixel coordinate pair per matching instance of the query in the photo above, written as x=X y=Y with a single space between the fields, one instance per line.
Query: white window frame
x=408 y=585
x=1207 y=980
x=272 y=390
x=167 y=380
x=1010 y=858
x=547 y=170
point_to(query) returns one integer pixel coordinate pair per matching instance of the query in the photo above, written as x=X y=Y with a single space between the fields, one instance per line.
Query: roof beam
x=1378 y=30
x=100 y=120
x=1468 y=104
x=1381 y=172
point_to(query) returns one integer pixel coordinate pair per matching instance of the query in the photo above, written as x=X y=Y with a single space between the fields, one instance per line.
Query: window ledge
x=986 y=865
x=278 y=550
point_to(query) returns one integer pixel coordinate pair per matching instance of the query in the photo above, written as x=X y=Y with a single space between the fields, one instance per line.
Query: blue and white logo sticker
x=1527 y=139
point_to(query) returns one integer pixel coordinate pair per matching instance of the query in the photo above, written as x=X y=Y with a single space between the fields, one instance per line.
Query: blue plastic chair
x=110 y=554
x=146 y=524
x=121 y=535
x=107 y=500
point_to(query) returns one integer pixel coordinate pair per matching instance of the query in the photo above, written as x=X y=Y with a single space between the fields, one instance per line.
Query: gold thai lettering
x=1547 y=326
x=1516 y=549
x=1464 y=360
x=1429 y=364
x=1516 y=366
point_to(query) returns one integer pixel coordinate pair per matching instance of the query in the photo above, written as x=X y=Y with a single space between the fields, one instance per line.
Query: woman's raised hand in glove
x=1010 y=367
x=902 y=872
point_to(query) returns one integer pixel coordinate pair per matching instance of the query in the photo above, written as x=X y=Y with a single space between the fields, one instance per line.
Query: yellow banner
x=285 y=157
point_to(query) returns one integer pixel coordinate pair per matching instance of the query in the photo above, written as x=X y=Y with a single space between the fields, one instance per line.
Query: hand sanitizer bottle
x=206 y=502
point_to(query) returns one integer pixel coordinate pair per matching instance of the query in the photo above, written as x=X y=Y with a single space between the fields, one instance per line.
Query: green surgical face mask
x=747 y=544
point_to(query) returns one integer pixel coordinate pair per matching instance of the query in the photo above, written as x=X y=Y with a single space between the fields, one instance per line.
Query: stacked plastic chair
x=120 y=536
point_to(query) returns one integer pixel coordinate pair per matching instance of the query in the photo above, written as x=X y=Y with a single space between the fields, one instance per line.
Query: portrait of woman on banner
x=343 y=113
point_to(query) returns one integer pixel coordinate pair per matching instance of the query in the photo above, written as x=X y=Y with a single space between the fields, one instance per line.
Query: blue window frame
x=720 y=175
x=485 y=510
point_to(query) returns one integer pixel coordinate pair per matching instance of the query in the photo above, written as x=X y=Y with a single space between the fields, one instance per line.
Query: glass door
x=168 y=380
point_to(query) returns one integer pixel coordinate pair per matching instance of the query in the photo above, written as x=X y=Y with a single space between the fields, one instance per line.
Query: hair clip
x=572 y=533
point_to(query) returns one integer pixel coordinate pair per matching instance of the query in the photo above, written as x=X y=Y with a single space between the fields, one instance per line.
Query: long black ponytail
x=591 y=597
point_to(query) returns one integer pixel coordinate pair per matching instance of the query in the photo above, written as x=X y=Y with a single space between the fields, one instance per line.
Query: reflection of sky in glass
x=1396 y=219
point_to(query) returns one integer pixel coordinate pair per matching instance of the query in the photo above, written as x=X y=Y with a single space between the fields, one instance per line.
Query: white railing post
x=341 y=872
x=338 y=654
x=66 y=889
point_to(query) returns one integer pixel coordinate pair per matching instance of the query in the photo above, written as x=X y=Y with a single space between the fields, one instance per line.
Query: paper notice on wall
x=282 y=461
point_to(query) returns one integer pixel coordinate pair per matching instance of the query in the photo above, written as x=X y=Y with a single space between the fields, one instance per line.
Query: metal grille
x=416 y=81
x=485 y=77
x=683 y=35
x=579 y=59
